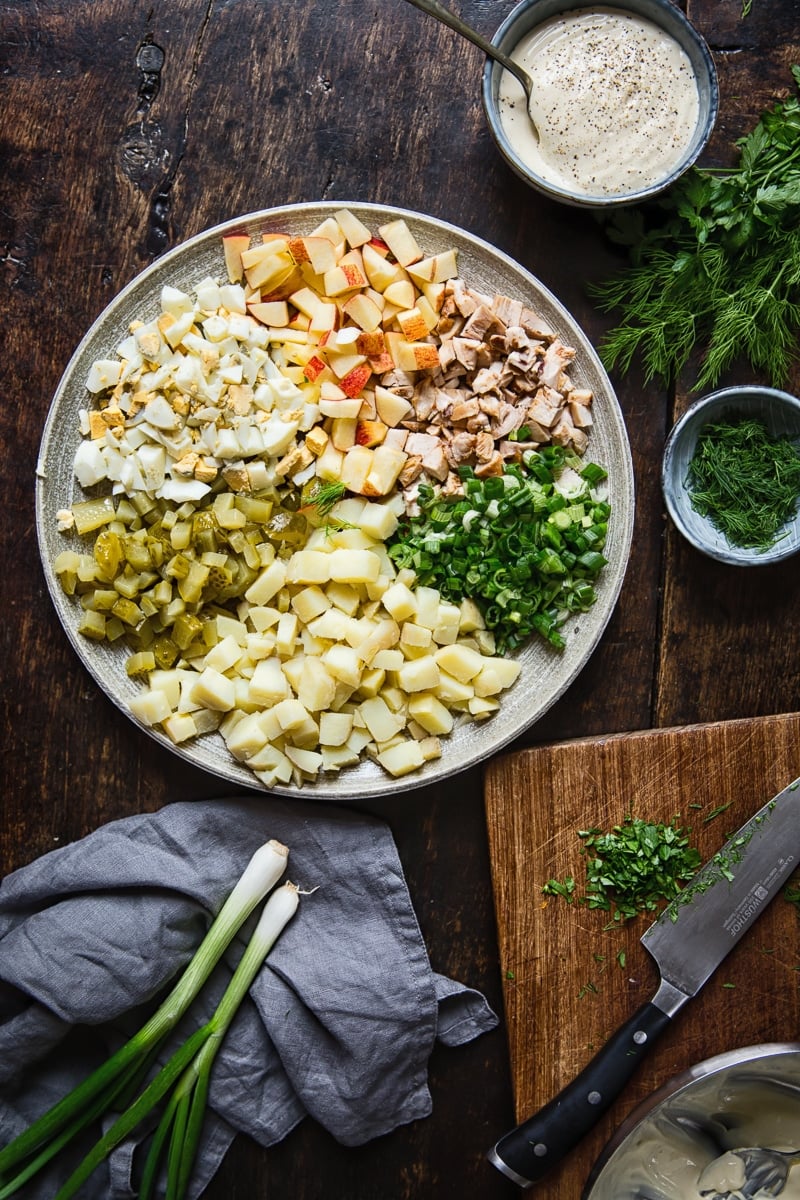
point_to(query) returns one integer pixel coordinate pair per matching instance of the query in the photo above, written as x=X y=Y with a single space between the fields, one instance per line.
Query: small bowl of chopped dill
x=731 y=475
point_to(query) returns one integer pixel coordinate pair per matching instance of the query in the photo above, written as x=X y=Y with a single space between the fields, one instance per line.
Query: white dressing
x=615 y=102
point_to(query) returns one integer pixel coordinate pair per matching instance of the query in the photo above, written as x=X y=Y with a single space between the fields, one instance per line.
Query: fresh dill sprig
x=714 y=263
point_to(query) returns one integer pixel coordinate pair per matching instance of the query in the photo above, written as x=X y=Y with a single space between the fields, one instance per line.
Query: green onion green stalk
x=122 y=1075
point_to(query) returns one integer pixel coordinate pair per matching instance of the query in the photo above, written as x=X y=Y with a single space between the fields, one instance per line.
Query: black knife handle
x=528 y=1152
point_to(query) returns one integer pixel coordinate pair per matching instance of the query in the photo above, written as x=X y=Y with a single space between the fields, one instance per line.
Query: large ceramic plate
x=545 y=673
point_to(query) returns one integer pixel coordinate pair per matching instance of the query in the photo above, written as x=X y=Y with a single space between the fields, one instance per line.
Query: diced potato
x=290 y=714
x=268 y=584
x=344 y=663
x=151 y=707
x=402 y=758
x=335 y=728
x=460 y=661
x=224 y=655
x=354 y=566
x=317 y=686
x=381 y=722
x=419 y=675
x=268 y=683
x=309 y=761
x=179 y=727
x=399 y=601
x=213 y=690
x=430 y=713
x=309 y=603
x=308 y=566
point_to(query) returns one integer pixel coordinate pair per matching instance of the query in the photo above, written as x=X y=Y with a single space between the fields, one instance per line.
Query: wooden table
x=127 y=127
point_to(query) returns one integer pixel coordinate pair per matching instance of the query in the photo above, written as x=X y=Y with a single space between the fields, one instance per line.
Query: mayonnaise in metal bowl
x=624 y=98
x=681 y=1143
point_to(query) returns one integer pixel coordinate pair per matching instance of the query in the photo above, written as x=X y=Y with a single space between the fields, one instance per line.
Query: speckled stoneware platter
x=546 y=673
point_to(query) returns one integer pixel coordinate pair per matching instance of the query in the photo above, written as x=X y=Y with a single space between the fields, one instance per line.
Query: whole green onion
x=125 y=1070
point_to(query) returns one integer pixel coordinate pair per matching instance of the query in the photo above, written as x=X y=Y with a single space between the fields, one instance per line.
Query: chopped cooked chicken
x=501 y=371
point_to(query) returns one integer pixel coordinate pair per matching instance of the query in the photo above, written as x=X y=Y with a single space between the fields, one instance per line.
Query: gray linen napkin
x=339 y=1024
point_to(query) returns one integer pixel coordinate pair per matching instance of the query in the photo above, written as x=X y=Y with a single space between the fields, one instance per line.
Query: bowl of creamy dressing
x=625 y=97
x=681 y=1143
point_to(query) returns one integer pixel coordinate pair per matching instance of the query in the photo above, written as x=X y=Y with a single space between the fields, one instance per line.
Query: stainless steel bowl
x=530 y=13
x=780 y=413
x=747 y=1097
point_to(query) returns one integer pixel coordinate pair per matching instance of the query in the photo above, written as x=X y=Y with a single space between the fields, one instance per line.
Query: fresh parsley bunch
x=715 y=263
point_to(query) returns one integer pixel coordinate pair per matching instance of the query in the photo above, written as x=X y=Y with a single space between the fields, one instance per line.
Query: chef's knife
x=688 y=941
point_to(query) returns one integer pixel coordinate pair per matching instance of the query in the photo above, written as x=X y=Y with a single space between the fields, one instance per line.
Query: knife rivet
x=640 y=1037
x=594 y=1097
x=540 y=1149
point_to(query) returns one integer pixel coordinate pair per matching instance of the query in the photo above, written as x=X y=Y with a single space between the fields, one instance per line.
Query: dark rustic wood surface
x=128 y=126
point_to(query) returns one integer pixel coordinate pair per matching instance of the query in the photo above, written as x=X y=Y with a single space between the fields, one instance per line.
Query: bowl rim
x=735 y=396
x=674 y=21
x=673 y=1087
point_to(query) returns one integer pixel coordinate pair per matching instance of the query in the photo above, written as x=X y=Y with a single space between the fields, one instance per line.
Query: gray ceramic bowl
x=780 y=412
x=747 y=1097
x=664 y=13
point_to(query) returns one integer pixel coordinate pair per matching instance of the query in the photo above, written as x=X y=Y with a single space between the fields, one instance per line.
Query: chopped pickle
x=93 y=514
x=141 y=664
x=108 y=553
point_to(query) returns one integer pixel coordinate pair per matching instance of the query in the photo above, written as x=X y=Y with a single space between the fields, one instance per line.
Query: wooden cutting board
x=565 y=989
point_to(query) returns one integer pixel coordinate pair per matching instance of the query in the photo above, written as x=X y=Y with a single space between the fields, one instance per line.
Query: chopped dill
x=744 y=481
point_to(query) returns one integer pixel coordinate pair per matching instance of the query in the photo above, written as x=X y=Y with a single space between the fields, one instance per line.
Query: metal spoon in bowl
x=434 y=9
x=765 y=1173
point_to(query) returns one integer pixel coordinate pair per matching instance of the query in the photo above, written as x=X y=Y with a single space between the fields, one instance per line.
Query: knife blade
x=688 y=941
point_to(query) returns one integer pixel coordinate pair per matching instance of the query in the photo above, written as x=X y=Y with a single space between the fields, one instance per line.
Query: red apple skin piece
x=313 y=368
x=355 y=380
x=370 y=433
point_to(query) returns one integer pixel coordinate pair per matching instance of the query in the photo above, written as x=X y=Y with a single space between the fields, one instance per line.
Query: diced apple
x=413 y=324
x=379 y=271
x=363 y=311
x=413 y=356
x=402 y=294
x=271 y=312
x=338 y=409
x=437 y=269
x=370 y=433
x=356 y=379
x=353 y=229
x=371 y=343
x=401 y=241
x=233 y=244
x=391 y=407
x=345 y=277
x=320 y=252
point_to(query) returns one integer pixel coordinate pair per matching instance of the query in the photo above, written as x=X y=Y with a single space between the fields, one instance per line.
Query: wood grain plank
x=564 y=989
